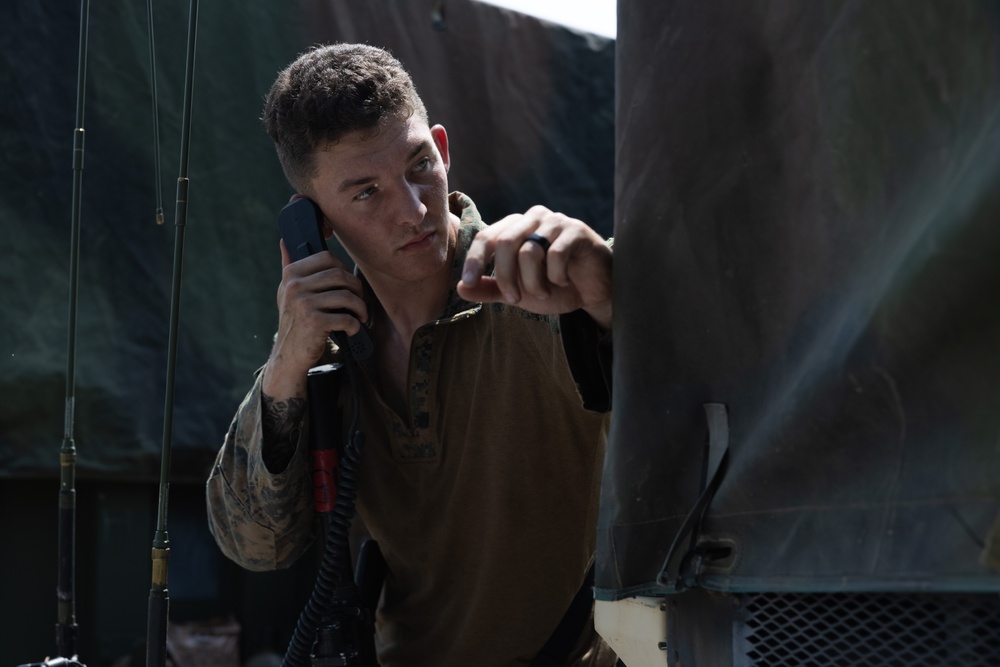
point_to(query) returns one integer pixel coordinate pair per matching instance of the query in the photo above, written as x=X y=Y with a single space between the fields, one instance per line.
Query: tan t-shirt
x=483 y=497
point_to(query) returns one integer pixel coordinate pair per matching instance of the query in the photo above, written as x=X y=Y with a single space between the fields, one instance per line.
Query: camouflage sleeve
x=262 y=521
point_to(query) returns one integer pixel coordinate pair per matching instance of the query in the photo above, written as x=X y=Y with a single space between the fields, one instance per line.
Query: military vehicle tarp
x=529 y=109
x=807 y=337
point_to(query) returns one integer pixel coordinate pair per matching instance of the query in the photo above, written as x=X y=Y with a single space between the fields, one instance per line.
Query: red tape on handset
x=324 y=479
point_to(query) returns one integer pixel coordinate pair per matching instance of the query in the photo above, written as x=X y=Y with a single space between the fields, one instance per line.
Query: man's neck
x=405 y=306
x=402 y=312
x=397 y=316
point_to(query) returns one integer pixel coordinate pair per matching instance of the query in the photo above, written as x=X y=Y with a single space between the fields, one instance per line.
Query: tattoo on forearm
x=281 y=423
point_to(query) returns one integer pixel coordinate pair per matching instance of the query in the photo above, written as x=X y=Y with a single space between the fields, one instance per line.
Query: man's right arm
x=259 y=491
x=259 y=497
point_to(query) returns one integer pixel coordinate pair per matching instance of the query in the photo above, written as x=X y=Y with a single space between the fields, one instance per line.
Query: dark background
x=529 y=110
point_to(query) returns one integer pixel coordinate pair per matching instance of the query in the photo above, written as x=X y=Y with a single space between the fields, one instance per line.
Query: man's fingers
x=339 y=301
x=486 y=290
x=495 y=242
x=478 y=256
x=557 y=260
x=285 y=258
x=533 y=260
x=507 y=256
x=310 y=312
x=524 y=267
x=321 y=294
x=341 y=320
x=501 y=242
x=519 y=264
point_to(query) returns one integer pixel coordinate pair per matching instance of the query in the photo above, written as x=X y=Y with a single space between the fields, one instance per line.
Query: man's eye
x=365 y=194
x=423 y=165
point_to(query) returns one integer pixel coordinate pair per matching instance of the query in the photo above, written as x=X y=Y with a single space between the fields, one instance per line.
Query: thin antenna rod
x=156 y=123
x=66 y=627
x=159 y=601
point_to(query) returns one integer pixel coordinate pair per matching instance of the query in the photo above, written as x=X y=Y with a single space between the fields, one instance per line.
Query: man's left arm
x=551 y=264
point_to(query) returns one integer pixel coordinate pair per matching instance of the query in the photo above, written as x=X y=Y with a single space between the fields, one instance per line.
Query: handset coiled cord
x=334 y=591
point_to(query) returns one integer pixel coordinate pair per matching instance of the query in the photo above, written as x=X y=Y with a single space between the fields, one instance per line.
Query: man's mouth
x=418 y=241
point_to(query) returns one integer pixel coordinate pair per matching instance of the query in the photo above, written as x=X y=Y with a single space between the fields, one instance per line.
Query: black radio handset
x=301 y=228
x=333 y=628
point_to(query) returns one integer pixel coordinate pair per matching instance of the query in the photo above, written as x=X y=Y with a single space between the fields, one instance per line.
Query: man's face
x=385 y=197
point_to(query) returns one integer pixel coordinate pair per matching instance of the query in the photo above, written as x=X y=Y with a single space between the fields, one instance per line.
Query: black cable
x=334 y=590
x=691 y=524
x=336 y=555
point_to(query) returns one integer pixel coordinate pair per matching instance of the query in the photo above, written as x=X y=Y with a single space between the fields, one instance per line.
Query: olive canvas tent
x=807 y=338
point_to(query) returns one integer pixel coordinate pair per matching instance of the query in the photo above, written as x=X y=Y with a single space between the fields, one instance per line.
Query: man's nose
x=411 y=207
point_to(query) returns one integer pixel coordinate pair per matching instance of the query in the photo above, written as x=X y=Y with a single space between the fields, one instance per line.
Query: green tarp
x=528 y=106
x=808 y=198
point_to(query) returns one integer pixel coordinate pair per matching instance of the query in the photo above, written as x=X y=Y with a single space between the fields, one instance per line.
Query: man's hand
x=575 y=271
x=317 y=296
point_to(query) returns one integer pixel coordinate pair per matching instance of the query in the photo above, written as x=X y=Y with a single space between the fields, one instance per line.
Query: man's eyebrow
x=421 y=147
x=355 y=182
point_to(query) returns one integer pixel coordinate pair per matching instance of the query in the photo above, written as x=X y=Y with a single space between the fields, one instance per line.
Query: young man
x=482 y=465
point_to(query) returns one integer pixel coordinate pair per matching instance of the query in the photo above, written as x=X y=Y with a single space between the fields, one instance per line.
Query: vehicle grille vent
x=867 y=630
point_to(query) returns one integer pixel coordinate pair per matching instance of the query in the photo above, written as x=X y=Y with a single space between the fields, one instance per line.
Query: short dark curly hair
x=328 y=92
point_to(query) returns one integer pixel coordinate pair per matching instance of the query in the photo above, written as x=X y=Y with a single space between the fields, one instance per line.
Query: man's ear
x=440 y=136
